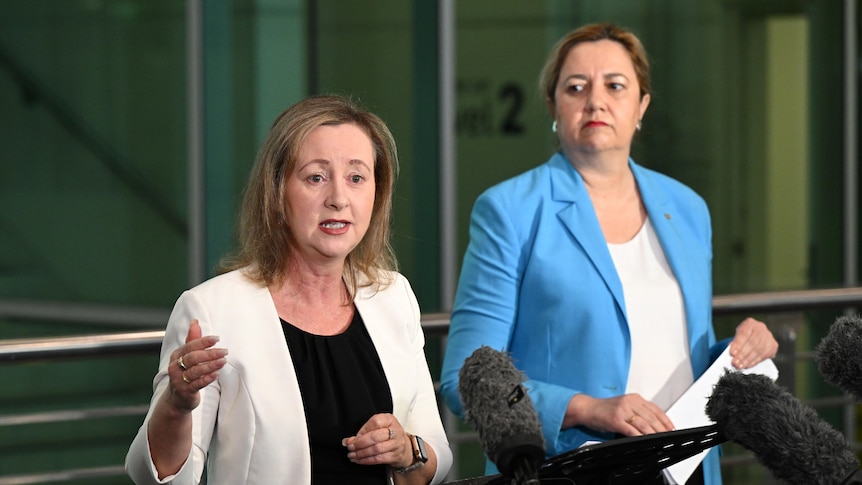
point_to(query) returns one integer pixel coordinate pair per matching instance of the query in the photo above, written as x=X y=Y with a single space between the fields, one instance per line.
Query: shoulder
x=234 y=284
x=520 y=199
x=390 y=283
x=391 y=304
x=533 y=183
x=672 y=188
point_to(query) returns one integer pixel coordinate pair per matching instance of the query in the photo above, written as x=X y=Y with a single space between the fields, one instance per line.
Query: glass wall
x=92 y=207
x=128 y=128
x=93 y=179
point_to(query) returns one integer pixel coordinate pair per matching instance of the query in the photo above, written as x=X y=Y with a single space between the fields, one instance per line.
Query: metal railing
x=434 y=324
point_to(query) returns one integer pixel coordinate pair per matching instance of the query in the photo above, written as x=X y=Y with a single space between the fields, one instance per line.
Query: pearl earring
x=638 y=126
x=554 y=126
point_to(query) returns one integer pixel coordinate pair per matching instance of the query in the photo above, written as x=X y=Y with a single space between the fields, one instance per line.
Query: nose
x=595 y=100
x=336 y=197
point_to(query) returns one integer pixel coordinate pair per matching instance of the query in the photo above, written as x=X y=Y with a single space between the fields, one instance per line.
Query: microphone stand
x=854 y=478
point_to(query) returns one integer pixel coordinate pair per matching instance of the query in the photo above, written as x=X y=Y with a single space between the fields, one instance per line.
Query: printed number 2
x=514 y=95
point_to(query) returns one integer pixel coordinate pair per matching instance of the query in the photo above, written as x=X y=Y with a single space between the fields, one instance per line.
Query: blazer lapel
x=382 y=315
x=665 y=221
x=578 y=217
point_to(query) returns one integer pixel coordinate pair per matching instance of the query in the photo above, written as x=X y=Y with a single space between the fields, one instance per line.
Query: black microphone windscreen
x=786 y=436
x=496 y=404
x=839 y=355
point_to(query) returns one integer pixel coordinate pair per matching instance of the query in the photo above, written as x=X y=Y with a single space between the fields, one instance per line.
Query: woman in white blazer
x=319 y=375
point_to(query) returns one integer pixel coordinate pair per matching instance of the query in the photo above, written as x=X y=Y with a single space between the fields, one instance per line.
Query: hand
x=628 y=415
x=193 y=366
x=752 y=344
x=381 y=440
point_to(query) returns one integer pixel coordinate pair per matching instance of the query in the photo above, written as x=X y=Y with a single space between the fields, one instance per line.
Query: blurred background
x=128 y=127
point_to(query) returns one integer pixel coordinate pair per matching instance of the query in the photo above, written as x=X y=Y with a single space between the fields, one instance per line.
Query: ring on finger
x=180 y=363
x=631 y=420
x=391 y=433
x=186 y=378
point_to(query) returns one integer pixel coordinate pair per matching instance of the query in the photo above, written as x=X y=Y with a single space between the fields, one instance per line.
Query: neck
x=609 y=161
x=313 y=284
x=605 y=177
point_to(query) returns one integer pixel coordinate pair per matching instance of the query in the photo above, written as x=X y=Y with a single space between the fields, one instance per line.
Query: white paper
x=689 y=411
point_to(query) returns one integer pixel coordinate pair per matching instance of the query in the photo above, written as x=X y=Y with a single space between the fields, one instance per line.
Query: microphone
x=838 y=358
x=786 y=436
x=496 y=404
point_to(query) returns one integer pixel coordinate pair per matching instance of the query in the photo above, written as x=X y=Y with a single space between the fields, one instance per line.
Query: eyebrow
x=606 y=76
x=323 y=161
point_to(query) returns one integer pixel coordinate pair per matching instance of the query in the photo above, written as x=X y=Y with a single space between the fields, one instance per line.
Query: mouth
x=333 y=224
x=595 y=124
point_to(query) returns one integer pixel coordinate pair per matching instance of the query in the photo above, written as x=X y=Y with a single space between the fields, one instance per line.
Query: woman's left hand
x=381 y=440
x=752 y=344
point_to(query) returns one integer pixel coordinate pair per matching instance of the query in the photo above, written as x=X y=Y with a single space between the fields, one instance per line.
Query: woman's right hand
x=193 y=366
x=628 y=415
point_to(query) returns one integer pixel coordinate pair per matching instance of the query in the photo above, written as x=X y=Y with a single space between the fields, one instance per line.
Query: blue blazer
x=538 y=281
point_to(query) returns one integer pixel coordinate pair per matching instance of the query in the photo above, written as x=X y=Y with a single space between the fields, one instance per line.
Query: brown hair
x=264 y=239
x=590 y=33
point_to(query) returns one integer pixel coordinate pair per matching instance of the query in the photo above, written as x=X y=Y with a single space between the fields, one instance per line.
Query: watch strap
x=418 y=459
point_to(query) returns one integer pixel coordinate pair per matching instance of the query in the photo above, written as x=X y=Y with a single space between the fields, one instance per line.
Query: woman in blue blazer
x=593 y=272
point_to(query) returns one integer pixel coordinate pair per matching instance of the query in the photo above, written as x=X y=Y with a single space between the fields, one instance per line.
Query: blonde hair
x=550 y=73
x=264 y=239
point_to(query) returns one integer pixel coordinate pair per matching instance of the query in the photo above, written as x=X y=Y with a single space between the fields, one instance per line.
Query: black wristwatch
x=420 y=454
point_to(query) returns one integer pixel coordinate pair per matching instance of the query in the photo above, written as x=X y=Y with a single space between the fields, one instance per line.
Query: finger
x=186 y=357
x=200 y=358
x=646 y=417
x=362 y=457
x=667 y=424
x=389 y=451
x=365 y=448
x=377 y=421
x=631 y=426
x=646 y=424
x=757 y=344
x=765 y=349
x=372 y=438
x=203 y=369
x=742 y=345
x=194 y=331
x=195 y=384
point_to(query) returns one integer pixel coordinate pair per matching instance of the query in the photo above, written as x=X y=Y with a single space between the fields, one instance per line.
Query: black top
x=342 y=385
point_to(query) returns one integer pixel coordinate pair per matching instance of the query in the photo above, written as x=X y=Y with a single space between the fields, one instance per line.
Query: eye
x=575 y=88
x=316 y=178
x=356 y=178
x=616 y=86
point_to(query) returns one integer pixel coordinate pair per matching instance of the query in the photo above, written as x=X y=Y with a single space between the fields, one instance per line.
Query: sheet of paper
x=689 y=411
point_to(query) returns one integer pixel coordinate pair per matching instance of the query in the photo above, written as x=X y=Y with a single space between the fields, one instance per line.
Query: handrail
x=64 y=476
x=786 y=301
x=113 y=315
x=19 y=350
x=28 y=349
x=436 y=324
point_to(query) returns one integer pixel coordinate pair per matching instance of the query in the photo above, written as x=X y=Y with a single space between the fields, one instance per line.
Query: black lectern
x=623 y=461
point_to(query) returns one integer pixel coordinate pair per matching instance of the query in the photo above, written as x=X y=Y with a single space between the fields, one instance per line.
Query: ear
x=552 y=107
x=643 y=105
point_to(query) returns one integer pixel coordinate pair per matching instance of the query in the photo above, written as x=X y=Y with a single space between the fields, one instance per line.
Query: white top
x=660 y=362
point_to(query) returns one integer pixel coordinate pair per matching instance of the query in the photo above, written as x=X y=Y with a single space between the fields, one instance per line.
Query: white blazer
x=250 y=425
